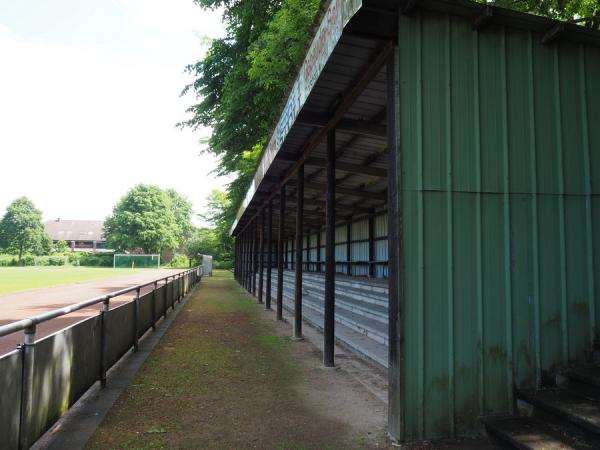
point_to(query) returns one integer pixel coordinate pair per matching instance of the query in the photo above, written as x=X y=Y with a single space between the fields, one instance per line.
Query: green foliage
x=179 y=261
x=218 y=214
x=150 y=219
x=242 y=83
x=60 y=247
x=21 y=229
x=59 y=259
x=273 y=56
x=556 y=9
x=92 y=259
x=205 y=241
x=222 y=265
x=182 y=211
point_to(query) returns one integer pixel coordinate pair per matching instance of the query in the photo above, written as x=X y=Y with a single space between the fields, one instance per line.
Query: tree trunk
x=20 y=255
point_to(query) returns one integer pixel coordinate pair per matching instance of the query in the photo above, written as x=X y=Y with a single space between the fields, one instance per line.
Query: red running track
x=20 y=305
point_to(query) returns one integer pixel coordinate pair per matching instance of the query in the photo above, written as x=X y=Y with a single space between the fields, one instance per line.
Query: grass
x=14 y=279
x=219 y=378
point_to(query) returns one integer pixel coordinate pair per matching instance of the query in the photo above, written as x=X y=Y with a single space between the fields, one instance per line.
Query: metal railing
x=41 y=377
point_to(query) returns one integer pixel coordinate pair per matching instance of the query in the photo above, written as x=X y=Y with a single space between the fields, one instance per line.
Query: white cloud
x=79 y=126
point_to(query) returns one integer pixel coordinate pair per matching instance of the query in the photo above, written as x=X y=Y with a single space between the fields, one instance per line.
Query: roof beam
x=353 y=126
x=346 y=167
x=367 y=75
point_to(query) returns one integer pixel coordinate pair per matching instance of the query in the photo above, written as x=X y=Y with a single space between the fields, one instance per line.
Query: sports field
x=14 y=279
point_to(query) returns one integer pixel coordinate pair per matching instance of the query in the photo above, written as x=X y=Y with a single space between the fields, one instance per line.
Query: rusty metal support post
x=245 y=260
x=269 y=254
x=261 y=257
x=254 y=257
x=28 y=349
x=103 y=341
x=307 y=256
x=298 y=265
x=349 y=248
x=329 y=315
x=287 y=265
x=371 y=268
x=318 y=268
x=396 y=380
x=248 y=260
x=236 y=260
x=280 y=238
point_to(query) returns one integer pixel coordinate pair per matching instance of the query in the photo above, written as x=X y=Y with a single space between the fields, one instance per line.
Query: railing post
x=103 y=341
x=136 y=319
x=165 y=297
x=28 y=349
x=154 y=306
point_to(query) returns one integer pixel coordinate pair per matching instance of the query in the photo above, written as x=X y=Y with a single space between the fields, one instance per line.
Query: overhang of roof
x=349 y=94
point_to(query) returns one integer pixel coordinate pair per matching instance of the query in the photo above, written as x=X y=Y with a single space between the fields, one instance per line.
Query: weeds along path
x=226 y=376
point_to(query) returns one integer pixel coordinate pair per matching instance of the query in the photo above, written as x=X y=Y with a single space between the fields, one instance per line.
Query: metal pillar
x=298 y=265
x=254 y=257
x=307 y=259
x=248 y=259
x=237 y=258
x=261 y=263
x=244 y=265
x=395 y=256
x=371 y=268
x=28 y=349
x=329 y=316
x=269 y=254
x=136 y=320
x=103 y=340
x=318 y=268
x=280 y=238
x=348 y=248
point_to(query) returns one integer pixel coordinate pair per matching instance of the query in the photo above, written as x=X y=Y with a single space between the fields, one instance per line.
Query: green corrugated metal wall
x=500 y=167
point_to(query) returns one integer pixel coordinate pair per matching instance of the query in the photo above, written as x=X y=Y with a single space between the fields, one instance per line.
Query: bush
x=179 y=261
x=223 y=265
x=92 y=259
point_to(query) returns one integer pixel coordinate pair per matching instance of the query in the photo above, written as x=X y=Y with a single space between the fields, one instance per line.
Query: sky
x=89 y=99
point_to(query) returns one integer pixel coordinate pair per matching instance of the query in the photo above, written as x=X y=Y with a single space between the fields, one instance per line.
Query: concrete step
x=369 y=291
x=357 y=342
x=318 y=288
x=368 y=310
x=373 y=324
x=567 y=405
x=529 y=434
x=369 y=327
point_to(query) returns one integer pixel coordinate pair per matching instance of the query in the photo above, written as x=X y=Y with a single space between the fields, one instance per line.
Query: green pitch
x=14 y=279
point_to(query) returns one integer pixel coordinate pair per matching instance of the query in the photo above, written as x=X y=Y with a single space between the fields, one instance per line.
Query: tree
x=61 y=247
x=182 y=211
x=556 y=9
x=241 y=83
x=204 y=241
x=21 y=229
x=218 y=215
x=143 y=218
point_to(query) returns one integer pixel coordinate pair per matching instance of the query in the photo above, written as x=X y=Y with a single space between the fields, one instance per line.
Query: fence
x=42 y=379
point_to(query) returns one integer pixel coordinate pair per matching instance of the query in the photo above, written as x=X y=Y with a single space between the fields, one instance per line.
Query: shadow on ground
x=225 y=376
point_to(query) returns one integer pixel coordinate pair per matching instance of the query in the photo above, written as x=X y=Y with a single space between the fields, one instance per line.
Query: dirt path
x=225 y=376
x=21 y=305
